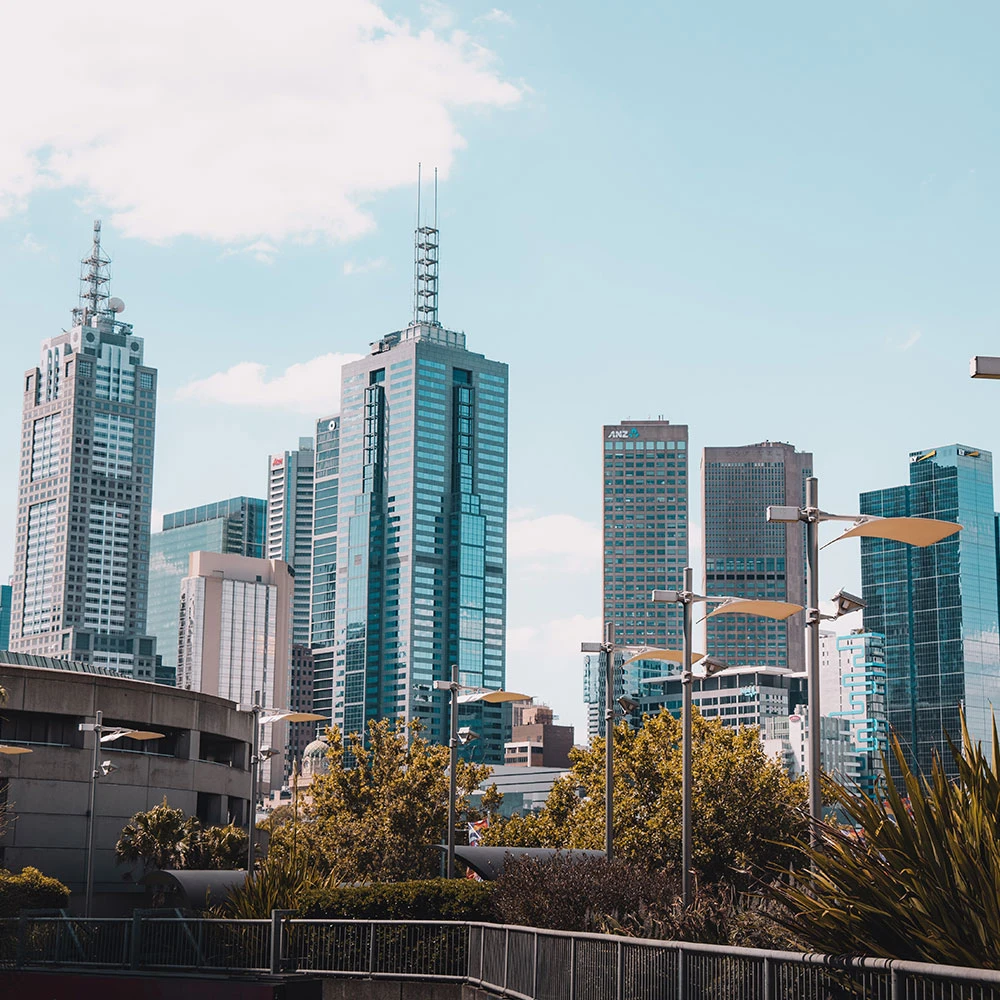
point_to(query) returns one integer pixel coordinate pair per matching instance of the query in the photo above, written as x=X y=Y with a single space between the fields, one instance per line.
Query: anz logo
x=617 y=433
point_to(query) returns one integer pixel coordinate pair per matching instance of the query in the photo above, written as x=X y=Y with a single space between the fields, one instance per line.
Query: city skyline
x=786 y=252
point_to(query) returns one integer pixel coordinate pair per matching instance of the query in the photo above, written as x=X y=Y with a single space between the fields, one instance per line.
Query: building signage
x=623 y=432
x=277 y=460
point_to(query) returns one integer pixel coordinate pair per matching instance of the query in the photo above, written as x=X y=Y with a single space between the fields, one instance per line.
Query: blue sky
x=768 y=221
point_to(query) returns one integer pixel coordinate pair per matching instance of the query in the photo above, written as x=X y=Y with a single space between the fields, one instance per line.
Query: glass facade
x=5 y=602
x=235 y=526
x=645 y=528
x=937 y=606
x=421 y=533
x=322 y=625
x=747 y=557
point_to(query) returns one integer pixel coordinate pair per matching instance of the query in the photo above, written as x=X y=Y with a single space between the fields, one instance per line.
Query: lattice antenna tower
x=425 y=262
x=95 y=279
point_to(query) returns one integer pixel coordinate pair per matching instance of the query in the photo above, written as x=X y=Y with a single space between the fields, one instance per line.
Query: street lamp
x=102 y=734
x=258 y=755
x=607 y=650
x=777 y=610
x=463 y=695
x=917 y=531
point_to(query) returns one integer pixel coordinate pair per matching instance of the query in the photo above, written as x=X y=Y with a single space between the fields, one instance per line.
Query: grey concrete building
x=201 y=766
x=747 y=557
x=81 y=549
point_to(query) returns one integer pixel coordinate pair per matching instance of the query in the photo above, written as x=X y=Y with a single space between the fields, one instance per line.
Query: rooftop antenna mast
x=95 y=279
x=425 y=262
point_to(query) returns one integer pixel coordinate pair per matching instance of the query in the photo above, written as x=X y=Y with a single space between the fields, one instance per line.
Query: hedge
x=30 y=890
x=424 y=899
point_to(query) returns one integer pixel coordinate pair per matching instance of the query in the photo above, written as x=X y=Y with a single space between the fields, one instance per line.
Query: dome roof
x=317 y=748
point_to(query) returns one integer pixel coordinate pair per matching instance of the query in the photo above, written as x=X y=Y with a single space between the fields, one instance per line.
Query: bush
x=424 y=899
x=30 y=890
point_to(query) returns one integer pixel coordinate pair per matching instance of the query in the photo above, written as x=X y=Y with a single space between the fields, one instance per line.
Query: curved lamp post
x=102 y=734
x=262 y=717
x=777 y=610
x=463 y=695
x=917 y=531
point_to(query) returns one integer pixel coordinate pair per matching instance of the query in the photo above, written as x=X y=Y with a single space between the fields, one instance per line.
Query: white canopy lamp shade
x=492 y=697
x=776 y=610
x=132 y=734
x=663 y=656
x=14 y=751
x=278 y=716
x=918 y=531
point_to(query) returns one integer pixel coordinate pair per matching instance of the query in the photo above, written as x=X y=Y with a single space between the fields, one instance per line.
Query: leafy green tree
x=920 y=879
x=30 y=890
x=380 y=808
x=746 y=810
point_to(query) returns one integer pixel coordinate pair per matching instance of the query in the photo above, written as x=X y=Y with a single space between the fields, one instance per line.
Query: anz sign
x=618 y=433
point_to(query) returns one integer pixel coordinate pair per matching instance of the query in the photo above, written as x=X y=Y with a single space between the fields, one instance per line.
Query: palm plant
x=919 y=878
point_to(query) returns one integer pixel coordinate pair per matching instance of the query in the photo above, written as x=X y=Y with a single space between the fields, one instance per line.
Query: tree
x=381 y=807
x=164 y=837
x=746 y=810
x=920 y=879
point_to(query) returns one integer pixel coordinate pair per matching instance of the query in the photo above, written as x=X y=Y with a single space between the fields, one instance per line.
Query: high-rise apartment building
x=645 y=528
x=6 y=599
x=235 y=637
x=852 y=686
x=747 y=557
x=81 y=554
x=324 y=562
x=937 y=606
x=421 y=529
x=290 y=524
x=233 y=526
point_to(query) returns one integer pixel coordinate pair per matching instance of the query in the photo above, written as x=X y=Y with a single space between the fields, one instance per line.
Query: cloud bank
x=233 y=123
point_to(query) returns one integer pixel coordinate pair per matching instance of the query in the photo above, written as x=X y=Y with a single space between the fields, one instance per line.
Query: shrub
x=30 y=890
x=423 y=899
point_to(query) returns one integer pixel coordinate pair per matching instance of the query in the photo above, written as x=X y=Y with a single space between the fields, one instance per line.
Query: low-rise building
x=536 y=740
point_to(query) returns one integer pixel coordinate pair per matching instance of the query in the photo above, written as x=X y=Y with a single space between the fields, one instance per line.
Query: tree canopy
x=745 y=807
x=382 y=805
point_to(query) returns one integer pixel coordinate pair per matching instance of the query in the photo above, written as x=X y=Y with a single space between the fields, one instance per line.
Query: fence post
x=277 y=931
x=534 y=966
x=22 y=939
x=681 y=973
x=506 y=956
x=135 y=943
x=895 y=986
x=768 y=979
x=620 y=974
x=572 y=968
x=371 y=950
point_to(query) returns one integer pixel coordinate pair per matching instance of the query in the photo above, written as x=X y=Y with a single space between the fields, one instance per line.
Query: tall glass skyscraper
x=322 y=624
x=645 y=528
x=421 y=528
x=233 y=526
x=81 y=555
x=290 y=525
x=937 y=606
x=747 y=557
x=6 y=599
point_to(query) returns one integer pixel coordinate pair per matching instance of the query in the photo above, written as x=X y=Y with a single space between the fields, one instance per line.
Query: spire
x=425 y=263
x=95 y=278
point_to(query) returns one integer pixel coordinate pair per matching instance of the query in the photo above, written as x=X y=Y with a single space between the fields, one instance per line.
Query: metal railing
x=521 y=963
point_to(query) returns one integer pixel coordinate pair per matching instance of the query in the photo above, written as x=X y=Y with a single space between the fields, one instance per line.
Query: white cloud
x=312 y=387
x=439 y=15
x=497 y=16
x=261 y=250
x=188 y=119
x=31 y=245
x=553 y=543
x=364 y=266
x=910 y=341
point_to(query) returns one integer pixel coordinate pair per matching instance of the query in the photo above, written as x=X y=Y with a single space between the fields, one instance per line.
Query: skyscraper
x=645 y=528
x=6 y=598
x=290 y=524
x=81 y=555
x=747 y=557
x=421 y=528
x=937 y=606
x=324 y=563
x=235 y=637
x=235 y=526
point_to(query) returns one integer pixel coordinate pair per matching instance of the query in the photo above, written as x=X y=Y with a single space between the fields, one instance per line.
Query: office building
x=6 y=599
x=937 y=606
x=786 y=738
x=536 y=740
x=630 y=682
x=324 y=563
x=421 y=530
x=233 y=526
x=747 y=557
x=645 y=528
x=81 y=552
x=852 y=687
x=300 y=699
x=235 y=637
x=290 y=524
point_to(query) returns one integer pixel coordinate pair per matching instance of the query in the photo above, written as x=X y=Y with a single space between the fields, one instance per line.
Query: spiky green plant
x=920 y=878
x=279 y=883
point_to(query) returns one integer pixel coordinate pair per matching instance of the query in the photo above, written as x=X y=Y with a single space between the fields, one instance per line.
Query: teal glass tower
x=322 y=625
x=421 y=529
x=937 y=606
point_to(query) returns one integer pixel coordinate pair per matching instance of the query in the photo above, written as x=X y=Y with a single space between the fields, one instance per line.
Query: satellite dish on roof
x=115 y=304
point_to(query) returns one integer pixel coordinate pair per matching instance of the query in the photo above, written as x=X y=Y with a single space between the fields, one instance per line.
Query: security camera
x=107 y=767
x=266 y=753
x=627 y=704
x=845 y=603
x=711 y=665
x=466 y=735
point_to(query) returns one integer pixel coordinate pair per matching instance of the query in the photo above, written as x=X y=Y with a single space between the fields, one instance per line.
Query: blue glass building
x=233 y=526
x=6 y=598
x=322 y=625
x=937 y=606
x=422 y=524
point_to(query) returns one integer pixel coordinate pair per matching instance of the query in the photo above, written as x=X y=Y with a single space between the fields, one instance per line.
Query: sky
x=771 y=221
